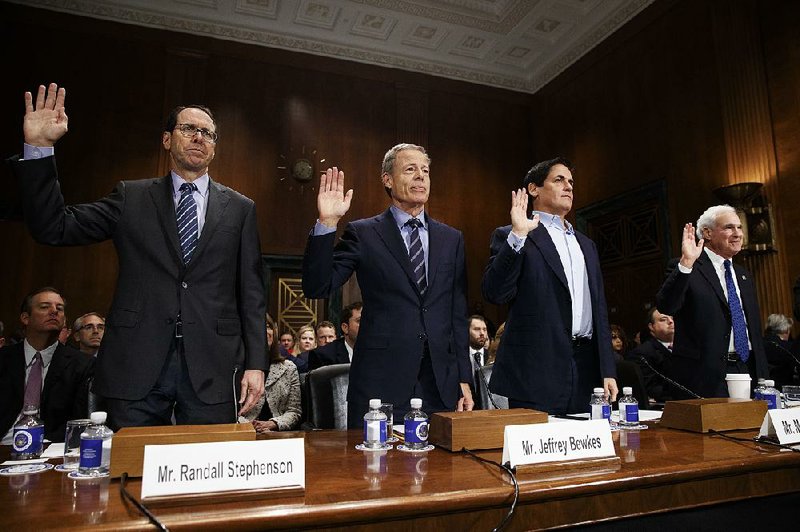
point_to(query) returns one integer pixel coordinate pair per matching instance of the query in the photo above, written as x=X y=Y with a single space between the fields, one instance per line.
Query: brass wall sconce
x=755 y=213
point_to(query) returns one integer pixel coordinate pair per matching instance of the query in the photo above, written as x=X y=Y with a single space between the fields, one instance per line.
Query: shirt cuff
x=516 y=242
x=36 y=152
x=322 y=229
x=683 y=269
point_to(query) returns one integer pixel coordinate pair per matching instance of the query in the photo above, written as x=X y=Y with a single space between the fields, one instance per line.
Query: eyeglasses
x=93 y=327
x=190 y=130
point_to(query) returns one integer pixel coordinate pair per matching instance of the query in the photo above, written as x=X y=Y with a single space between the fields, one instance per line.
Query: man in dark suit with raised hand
x=187 y=317
x=411 y=270
x=714 y=305
x=42 y=372
x=557 y=343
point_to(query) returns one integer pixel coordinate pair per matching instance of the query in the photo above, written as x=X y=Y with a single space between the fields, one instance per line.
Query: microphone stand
x=670 y=381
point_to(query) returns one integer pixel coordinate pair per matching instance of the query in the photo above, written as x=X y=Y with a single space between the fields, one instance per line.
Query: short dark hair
x=27 y=302
x=477 y=317
x=538 y=173
x=172 y=117
x=347 y=312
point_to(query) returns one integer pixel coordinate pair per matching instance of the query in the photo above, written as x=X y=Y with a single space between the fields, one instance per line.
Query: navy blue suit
x=703 y=325
x=534 y=362
x=397 y=322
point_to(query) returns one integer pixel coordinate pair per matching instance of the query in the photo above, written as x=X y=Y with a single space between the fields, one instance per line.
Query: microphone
x=670 y=381
x=779 y=346
x=485 y=382
x=233 y=387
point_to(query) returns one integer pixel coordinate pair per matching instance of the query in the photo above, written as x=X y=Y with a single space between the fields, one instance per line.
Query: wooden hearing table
x=661 y=470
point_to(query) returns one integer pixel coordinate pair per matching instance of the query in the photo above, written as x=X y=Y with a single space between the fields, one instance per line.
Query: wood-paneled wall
x=271 y=106
x=652 y=102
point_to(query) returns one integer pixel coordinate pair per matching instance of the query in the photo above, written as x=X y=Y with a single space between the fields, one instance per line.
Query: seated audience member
x=339 y=351
x=326 y=333
x=777 y=346
x=288 y=342
x=478 y=341
x=495 y=343
x=280 y=408
x=619 y=342
x=89 y=330
x=657 y=352
x=306 y=341
x=41 y=371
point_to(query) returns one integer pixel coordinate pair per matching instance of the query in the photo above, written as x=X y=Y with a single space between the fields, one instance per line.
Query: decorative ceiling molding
x=513 y=44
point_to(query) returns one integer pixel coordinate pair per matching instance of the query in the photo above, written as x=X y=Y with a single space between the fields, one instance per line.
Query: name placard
x=783 y=424
x=195 y=468
x=552 y=442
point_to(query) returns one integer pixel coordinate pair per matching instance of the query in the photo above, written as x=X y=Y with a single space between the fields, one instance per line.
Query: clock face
x=302 y=170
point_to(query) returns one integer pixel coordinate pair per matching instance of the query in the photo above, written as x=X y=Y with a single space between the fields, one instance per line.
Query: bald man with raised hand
x=187 y=318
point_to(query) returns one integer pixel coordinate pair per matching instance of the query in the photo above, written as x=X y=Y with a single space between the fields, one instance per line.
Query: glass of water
x=72 y=443
x=388 y=409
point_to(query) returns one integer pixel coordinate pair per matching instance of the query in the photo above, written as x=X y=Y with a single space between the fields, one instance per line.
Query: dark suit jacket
x=703 y=325
x=397 y=321
x=65 y=393
x=659 y=357
x=219 y=295
x=534 y=357
x=332 y=353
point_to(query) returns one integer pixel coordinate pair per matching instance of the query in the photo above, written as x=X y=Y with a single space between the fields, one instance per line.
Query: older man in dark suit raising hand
x=187 y=317
x=412 y=340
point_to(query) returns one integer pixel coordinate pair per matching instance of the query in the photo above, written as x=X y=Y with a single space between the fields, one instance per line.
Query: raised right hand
x=332 y=202
x=690 y=249
x=521 y=225
x=47 y=122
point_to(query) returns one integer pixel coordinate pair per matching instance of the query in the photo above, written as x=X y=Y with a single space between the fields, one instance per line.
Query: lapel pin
x=744 y=277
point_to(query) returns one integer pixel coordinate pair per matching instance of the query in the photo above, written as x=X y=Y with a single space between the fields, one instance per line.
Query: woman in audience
x=280 y=410
x=619 y=342
x=307 y=339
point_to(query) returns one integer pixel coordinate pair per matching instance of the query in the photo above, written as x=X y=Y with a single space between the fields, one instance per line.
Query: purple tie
x=33 y=388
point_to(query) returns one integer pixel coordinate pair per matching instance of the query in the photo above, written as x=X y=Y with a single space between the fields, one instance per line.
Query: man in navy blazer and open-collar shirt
x=412 y=340
x=557 y=343
x=187 y=318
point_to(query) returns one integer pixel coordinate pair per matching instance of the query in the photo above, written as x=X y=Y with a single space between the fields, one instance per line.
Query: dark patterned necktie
x=417 y=255
x=33 y=388
x=187 y=221
x=737 y=316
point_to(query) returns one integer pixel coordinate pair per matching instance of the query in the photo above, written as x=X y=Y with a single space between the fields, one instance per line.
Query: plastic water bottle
x=759 y=389
x=415 y=426
x=375 y=426
x=628 y=408
x=96 y=447
x=28 y=435
x=771 y=395
x=600 y=409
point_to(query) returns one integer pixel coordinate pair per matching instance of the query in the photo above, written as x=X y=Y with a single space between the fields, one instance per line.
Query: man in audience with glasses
x=88 y=332
x=177 y=339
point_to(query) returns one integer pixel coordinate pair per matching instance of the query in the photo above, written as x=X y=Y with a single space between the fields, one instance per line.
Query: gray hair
x=79 y=322
x=778 y=323
x=388 y=160
x=709 y=218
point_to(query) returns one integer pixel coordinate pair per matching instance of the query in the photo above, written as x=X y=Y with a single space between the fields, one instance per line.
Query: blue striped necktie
x=417 y=255
x=187 y=221
x=737 y=316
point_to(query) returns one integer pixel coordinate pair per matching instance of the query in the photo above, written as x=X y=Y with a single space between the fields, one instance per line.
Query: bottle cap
x=761 y=380
x=416 y=403
x=30 y=410
x=598 y=390
x=374 y=403
x=98 y=418
x=627 y=390
x=770 y=383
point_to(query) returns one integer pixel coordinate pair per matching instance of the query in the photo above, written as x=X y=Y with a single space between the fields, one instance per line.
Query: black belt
x=580 y=341
x=733 y=357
